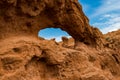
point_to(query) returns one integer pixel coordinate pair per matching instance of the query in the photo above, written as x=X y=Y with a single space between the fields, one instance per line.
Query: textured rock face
x=113 y=40
x=24 y=56
x=31 y=59
x=27 y=17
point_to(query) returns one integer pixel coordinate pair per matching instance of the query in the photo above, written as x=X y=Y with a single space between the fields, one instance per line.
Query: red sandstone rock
x=24 y=56
x=27 y=17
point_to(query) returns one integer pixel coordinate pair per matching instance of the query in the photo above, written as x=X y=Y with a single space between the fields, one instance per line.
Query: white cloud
x=111 y=24
x=108 y=15
x=57 y=38
x=106 y=7
x=113 y=27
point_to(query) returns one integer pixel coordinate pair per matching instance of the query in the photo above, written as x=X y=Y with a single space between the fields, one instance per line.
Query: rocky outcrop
x=27 y=17
x=107 y=59
x=25 y=56
x=113 y=40
x=31 y=59
x=67 y=42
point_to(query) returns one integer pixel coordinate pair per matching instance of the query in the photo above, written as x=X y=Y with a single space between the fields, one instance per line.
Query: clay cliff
x=25 y=56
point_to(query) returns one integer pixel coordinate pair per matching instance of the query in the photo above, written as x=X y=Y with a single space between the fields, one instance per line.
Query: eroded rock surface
x=113 y=40
x=25 y=56
x=32 y=59
x=27 y=17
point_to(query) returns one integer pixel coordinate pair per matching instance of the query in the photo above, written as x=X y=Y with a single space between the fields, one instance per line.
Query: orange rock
x=27 y=17
x=25 y=56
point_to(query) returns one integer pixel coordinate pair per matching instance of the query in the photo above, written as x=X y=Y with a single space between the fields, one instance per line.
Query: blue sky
x=104 y=14
x=50 y=33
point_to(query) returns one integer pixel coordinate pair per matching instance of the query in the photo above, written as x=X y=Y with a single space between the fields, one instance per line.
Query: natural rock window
x=51 y=33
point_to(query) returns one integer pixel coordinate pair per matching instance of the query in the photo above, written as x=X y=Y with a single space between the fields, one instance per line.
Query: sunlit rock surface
x=89 y=55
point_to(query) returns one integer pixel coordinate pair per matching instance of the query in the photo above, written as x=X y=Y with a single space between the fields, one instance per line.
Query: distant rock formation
x=113 y=40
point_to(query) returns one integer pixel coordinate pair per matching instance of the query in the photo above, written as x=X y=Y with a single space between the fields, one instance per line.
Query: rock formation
x=27 y=17
x=25 y=56
x=113 y=40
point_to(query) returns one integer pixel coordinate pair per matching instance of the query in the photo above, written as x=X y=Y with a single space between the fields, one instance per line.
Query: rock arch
x=27 y=17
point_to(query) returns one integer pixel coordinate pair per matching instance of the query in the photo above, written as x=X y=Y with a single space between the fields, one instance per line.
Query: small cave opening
x=53 y=33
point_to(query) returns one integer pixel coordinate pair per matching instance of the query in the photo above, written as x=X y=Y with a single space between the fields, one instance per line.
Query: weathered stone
x=27 y=17
x=25 y=56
